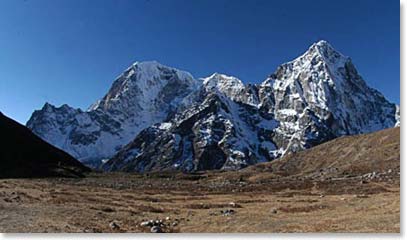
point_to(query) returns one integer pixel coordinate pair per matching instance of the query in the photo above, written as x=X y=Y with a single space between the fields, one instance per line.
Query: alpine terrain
x=157 y=118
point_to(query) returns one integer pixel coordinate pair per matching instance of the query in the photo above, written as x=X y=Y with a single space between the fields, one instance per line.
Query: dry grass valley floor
x=350 y=184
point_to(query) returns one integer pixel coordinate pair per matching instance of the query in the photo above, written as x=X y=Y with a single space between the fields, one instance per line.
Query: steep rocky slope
x=23 y=154
x=319 y=96
x=217 y=133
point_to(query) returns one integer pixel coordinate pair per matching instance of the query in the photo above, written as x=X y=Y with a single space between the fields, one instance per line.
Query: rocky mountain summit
x=159 y=118
x=319 y=96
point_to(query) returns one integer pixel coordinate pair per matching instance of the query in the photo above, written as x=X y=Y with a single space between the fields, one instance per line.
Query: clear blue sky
x=70 y=51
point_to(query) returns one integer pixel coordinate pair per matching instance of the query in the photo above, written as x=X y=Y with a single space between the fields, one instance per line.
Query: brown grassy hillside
x=344 y=156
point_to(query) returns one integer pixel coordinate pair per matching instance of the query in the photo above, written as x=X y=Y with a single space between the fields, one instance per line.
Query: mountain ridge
x=314 y=98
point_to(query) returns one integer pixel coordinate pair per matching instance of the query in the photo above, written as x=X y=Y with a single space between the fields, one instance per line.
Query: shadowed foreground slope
x=23 y=154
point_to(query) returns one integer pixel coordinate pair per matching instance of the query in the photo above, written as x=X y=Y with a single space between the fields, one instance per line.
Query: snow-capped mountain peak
x=141 y=84
x=325 y=50
x=322 y=90
x=145 y=93
x=228 y=85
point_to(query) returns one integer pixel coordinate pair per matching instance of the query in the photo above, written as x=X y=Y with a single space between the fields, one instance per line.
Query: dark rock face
x=216 y=134
x=158 y=118
x=23 y=154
